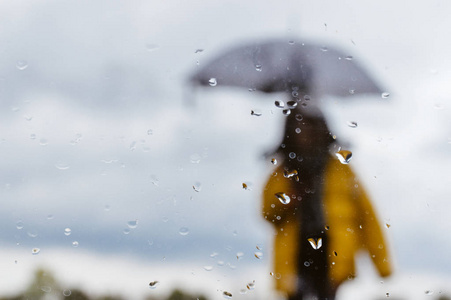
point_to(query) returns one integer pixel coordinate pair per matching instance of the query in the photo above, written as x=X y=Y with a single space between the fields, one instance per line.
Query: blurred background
x=115 y=173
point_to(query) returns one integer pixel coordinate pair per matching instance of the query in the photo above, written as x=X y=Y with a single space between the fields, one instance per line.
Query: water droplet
x=292 y=104
x=316 y=243
x=214 y=254
x=62 y=166
x=243 y=292
x=35 y=251
x=283 y=198
x=335 y=253
x=387 y=295
x=67 y=231
x=258 y=254
x=195 y=158
x=428 y=292
x=199 y=51
x=132 y=146
x=295 y=94
x=291 y=42
x=149 y=132
x=289 y=174
x=67 y=293
x=227 y=295
x=32 y=234
x=349 y=57
x=385 y=95
x=22 y=65
x=43 y=142
x=75 y=244
x=153 y=284
x=50 y=217
x=251 y=285
x=352 y=124
x=352 y=91
x=279 y=104
x=324 y=49
x=387 y=225
x=245 y=186
x=286 y=112
x=298 y=130
x=197 y=187
x=184 y=231
x=239 y=255
x=132 y=224
x=28 y=118
x=307 y=264
x=19 y=224
x=274 y=161
x=344 y=156
x=299 y=117
x=292 y=155
x=327 y=227
x=212 y=82
x=208 y=268
x=33 y=136
x=46 y=289
x=258 y=67
x=256 y=113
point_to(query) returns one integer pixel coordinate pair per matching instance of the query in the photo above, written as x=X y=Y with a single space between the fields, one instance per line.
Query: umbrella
x=282 y=66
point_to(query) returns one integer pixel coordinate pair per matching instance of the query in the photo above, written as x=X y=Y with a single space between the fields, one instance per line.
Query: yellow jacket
x=351 y=225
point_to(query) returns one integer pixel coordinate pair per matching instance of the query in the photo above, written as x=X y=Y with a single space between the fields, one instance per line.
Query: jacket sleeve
x=372 y=236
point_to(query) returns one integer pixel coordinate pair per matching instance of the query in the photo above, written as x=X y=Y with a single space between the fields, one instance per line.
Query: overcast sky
x=95 y=132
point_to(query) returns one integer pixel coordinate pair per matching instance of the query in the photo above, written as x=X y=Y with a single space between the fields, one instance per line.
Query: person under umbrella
x=314 y=266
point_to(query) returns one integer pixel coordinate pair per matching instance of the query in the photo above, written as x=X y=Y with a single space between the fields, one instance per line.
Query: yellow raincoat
x=351 y=225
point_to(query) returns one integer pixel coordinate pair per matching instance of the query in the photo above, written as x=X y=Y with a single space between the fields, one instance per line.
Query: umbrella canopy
x=281 y=66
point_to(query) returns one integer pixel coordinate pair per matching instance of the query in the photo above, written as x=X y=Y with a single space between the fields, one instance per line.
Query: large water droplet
x=279 y=103
x=289 y=174
x=212 y=82
x=227 y=295
x=22 y=65
x=292 y=104
x=352 y=124
x=208 y=268
x=258 y=255
x=67 y=231
x=274 y=161
x=35 y=251
x=316 y=243
x=251 y=285
x=283 y=198
x=184 y=231
x=286 y=112
x=132 y=224
x=344 y=156
x=292 y=155
x=153 y=284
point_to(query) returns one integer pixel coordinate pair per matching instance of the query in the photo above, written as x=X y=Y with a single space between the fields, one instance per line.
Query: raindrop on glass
x=199 y=51
x=291 y=42
x=256 y=113
x=197 y=187
x=286 y=112
x=208 y=268
x=67 y=231
x=289 y=174
x=46 y=289
x=62 y=166
x=149 y=132
x=324 y=49
x=33 y=136
x=184 y=231
x=428 y=292
x=132 y=224
x=43 y=142
x=251 y=285
x=295 y=94
x=35 y=251
x=292 y=155
x=299 y=117
x=67 y=293
x=258 y=255
x=279 y=104
x=344 y=156
x=21 y=65
x=212 y=82
x=298 y=130
x=258 y=68
x=307 y=264
x=307 y=97
x=227 y=295
x=292 y=104
x=349 y=57
x=75 y=244
x=283 y=198
x=315 y=243
x=239 y=255
x=351 y=91
x=19 y=224
x=274 y=161
x=195 y=158
x=352 y=124
x=387 y=225
x=385 y=95
x=245 y=186
x=153 y=284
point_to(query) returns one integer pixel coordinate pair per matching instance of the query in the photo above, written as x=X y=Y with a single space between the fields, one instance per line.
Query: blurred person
x=320 y=212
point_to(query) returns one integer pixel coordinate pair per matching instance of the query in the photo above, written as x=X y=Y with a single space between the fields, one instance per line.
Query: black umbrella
x=278 y=66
